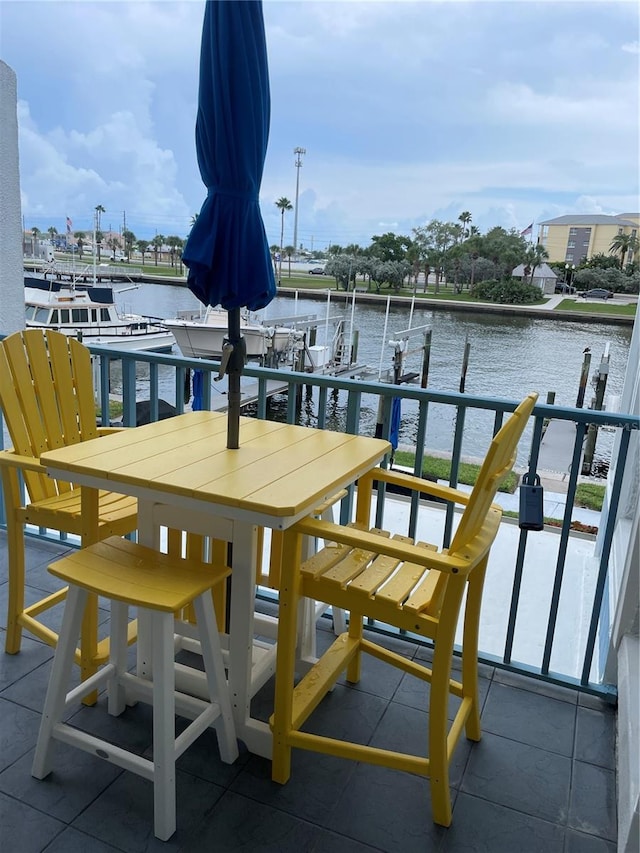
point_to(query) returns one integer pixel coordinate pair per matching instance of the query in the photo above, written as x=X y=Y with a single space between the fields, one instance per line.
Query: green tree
x=157 y=243
x=465 y=219
x=80 y=238
x=175 y=245
x=143 y=247
x=289 y=251
x=505 y=249
x=535 y=256
x=99 y=209
x=99 y=239
x=390 y=247
x=283 y=204
x=52 y=231
x=623 y=244
x=129 y=239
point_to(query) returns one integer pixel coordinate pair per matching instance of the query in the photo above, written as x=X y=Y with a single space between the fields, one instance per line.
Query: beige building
x=575 y=238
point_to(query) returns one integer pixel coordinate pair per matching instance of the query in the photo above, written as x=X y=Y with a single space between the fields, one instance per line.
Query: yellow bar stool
x=129 y=574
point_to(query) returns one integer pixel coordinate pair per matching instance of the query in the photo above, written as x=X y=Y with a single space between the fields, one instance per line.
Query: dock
x=556 y=447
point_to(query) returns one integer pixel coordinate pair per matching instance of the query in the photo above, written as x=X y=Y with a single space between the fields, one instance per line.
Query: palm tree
x=623 y=244
x=282 y=204
x=80 y=235
x=535 y=257
x=157 y=243
x=465 y=218
x=289 y=251
x=129 y=239
x=99 y=209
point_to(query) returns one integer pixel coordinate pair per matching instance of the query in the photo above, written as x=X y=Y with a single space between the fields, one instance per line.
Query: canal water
x=508 y=357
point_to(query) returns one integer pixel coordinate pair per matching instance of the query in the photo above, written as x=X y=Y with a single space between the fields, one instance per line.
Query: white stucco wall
x=11 y=266
x=623 y=660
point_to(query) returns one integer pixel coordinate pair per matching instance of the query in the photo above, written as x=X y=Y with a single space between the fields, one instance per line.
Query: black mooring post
x=235 y=367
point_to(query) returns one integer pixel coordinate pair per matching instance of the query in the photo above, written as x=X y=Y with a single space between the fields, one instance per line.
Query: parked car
x=561 y=287
x=597 y=293
x=317 y=271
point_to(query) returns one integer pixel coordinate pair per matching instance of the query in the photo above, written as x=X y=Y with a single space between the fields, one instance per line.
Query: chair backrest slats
x=46 y=394
x=497 y=464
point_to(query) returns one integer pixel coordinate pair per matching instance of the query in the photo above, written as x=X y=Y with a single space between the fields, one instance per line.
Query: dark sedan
x=597 y=293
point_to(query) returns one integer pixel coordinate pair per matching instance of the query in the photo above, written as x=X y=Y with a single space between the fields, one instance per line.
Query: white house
x=544 y=277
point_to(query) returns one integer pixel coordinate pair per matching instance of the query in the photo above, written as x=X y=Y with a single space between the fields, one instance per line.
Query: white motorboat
x=90 y=313
x=203 y=337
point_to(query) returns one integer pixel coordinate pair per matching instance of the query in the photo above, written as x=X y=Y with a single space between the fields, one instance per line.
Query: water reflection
x=509 y=357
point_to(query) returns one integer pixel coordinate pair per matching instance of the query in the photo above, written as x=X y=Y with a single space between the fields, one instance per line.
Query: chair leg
x=164 y=759
x=116 y=693
x=356 y=629
x=89 y=645
x=15 y=606
x=439 y=700
x=60 y=676
x=473 y=728
x=286 y=657
x=438 y=726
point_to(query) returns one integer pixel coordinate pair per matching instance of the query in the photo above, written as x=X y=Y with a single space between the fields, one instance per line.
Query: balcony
x=544 y=774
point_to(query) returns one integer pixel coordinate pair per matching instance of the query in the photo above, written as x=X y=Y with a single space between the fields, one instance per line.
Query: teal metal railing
x=154 y=377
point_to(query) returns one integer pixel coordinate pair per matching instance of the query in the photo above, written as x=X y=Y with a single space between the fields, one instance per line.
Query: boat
x=203 y=336
x=286 y=342
x=90 y=313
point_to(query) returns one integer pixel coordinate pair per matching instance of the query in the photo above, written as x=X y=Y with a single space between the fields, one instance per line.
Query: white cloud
x=407 y=111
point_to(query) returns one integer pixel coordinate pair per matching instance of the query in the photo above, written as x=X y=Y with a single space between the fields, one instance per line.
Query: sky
x=515 y=111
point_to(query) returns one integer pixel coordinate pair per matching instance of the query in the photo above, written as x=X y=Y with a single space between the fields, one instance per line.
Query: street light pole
x=299 y=152
x=569 y=272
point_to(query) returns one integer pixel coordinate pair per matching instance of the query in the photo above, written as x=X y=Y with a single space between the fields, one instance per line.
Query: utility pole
x=299 y=152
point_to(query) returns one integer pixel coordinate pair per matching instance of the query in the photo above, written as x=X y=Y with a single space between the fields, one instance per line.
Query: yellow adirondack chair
x=47 y=399
x=418 y=588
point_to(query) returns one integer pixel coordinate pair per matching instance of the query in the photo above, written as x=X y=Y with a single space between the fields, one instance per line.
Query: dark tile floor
x=541 y=779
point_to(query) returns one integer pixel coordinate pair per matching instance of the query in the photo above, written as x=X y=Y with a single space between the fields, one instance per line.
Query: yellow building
x=578 y=237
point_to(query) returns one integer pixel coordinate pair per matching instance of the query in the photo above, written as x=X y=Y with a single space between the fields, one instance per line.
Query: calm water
x=509 y=356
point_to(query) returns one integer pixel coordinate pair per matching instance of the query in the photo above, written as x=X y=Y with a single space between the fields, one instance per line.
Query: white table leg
x=254 y=733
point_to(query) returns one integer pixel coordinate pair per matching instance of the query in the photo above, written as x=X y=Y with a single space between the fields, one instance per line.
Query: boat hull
x=203 y=340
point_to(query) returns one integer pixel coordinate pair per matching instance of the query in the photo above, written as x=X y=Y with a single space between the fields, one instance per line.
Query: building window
x=572 y=232
x=571 y=244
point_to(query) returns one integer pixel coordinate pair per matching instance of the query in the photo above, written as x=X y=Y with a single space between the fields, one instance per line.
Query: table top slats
x=279 y=470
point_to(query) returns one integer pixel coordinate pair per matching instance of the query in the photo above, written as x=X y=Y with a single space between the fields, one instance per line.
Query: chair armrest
x=109 y=430
x=366 y=540
x=417 y=484
x=10 y=459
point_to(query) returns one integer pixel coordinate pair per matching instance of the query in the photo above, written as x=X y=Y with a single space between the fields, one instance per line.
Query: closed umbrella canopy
x=227 y=252
x=394 y=425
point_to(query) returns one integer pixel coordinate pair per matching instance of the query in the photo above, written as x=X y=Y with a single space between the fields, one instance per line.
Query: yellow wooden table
x=185 y=477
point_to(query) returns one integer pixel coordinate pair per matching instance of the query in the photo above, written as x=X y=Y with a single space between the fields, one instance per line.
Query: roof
x=542 y=271
x=589 y=219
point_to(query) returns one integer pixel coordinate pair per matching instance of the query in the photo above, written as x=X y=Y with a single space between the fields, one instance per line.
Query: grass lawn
x=597 y=308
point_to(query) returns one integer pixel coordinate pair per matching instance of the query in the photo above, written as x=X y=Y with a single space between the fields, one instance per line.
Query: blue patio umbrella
x=227 y=252
x=198 y=390
x=394 y=423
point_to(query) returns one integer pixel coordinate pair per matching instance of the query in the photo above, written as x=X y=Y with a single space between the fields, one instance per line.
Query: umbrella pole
x=234 y=372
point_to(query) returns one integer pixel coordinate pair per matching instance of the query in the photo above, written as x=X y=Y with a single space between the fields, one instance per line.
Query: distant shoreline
x=464 y=307
x=422 y=302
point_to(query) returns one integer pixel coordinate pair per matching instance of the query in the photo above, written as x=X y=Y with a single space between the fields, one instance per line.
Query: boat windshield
x=41 y=315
